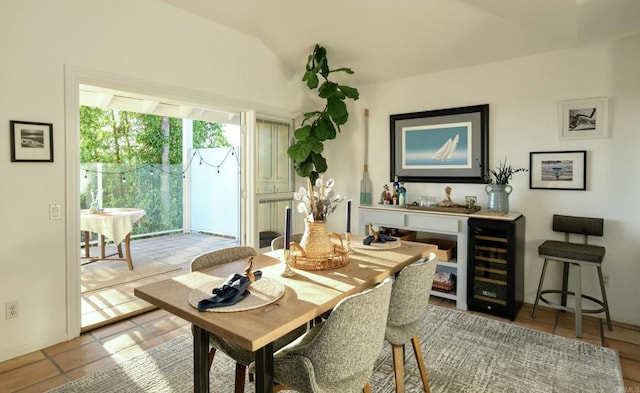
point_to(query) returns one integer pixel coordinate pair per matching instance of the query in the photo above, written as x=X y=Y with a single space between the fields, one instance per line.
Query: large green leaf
x=327 y=89
x=315 y=145
x=350 y=92
x=312 y=81
x=305 y=167
x=320 y=162
x=320 y=130
x=327 y=125
x=337 y=109
x=302 y=133
x=299 y=151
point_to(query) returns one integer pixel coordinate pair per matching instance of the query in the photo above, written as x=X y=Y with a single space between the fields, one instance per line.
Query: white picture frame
x=583 y=119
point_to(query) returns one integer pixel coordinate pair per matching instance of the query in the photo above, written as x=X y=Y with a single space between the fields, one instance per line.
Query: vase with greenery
x=324 y=124
x=498 y=188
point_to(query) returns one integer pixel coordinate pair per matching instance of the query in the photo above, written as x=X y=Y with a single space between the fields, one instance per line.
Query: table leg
x=102 y=245
x=200 y=360
x=87 y=246
x=264 y=369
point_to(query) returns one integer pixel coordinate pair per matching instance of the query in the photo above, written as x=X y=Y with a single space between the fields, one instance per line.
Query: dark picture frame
x=31 y=142
x=558 y=170
x=440 y=146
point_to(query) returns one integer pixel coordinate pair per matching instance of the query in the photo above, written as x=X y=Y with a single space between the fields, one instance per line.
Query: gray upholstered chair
x=407 y=308
x=278 y=242
x=241 y=356
x=338 y=355
x=575 y=255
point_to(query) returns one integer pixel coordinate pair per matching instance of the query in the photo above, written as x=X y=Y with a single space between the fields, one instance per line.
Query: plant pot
x=315 y=240
x=498 y=197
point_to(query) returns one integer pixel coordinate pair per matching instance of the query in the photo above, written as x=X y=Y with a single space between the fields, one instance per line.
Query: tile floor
x=101 y=347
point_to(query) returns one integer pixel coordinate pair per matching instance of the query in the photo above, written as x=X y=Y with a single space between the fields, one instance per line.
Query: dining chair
x=278 y=242
x=338 y=355
x=407 y=308
x=241 y=356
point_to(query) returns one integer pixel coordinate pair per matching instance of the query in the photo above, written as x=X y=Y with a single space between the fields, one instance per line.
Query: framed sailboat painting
x=440 y=146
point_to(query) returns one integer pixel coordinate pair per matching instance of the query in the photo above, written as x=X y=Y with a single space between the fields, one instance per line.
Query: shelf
x=451 y=263
x=446 y=295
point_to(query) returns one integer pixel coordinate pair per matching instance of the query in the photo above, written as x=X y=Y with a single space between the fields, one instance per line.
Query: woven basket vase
x=315 y=240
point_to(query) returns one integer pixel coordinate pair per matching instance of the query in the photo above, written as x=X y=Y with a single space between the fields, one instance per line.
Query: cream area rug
x=106 y=273
x=463 y=353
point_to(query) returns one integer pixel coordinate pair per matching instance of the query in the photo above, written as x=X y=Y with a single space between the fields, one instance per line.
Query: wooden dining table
x=308 y=294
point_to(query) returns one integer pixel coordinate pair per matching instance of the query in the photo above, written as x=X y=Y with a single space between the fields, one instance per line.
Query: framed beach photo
x=440 y=146
x=31 y=142
x=558 y=170
x=583 y=119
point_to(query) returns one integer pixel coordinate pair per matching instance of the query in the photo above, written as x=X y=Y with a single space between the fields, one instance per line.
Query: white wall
x=523 y=96
x=142 y=39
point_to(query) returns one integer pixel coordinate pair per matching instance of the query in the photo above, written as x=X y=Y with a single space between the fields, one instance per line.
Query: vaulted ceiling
x=389 y=39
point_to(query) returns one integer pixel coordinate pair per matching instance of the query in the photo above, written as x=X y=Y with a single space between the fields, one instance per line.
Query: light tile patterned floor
x=108 y=345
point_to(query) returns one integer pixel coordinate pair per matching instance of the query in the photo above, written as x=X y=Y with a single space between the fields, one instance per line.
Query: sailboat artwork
x=438 y=146
x=446 y=151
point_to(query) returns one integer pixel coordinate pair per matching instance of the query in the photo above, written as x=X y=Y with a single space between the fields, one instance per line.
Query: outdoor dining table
x=114 y=224
x=308 y=294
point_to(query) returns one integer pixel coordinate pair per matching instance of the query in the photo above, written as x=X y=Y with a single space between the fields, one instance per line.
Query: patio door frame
x=76 y=76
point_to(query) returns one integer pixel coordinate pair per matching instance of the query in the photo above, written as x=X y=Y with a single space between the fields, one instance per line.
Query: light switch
x=54 y=212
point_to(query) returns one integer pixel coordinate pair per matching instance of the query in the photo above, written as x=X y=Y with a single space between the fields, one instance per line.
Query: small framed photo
x=583 y=119
x=31 y=142
x=558 y=170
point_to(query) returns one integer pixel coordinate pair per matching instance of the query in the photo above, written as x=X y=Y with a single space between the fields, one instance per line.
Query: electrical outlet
x=605 y=277
x=11 y=310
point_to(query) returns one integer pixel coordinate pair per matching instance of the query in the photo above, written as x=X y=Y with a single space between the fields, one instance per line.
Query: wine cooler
x=495 y=275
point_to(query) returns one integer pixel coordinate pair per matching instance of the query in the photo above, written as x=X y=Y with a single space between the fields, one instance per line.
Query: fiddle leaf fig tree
x=319 y=126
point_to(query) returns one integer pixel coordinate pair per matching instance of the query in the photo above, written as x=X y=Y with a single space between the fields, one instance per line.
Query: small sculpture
x=447 y=202
x=248 y=272
x=385 y=196
x=375 y=236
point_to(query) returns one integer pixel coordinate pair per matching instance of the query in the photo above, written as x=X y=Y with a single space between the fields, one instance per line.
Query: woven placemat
x=389 y=245
x=264 y=291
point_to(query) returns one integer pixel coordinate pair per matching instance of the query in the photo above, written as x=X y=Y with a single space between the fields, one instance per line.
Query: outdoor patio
x=117 y=302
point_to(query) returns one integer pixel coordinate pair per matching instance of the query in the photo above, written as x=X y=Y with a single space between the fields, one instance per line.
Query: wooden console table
x=450 y=226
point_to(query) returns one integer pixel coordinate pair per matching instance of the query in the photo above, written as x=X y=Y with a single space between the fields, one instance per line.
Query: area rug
x=107 y=273
x=463 y=353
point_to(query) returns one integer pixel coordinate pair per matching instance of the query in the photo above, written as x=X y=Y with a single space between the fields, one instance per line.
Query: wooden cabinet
x=457 y=227
x=495 y=279
x=428 y=225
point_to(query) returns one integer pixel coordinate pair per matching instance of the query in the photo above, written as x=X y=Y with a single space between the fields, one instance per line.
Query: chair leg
x=578 y=300
x=398 y=367
x=420 y=361
x=367 y=388
x=535 y=304
x=565 y=283
x=212 y=353
x=604 y=298
x=240 y=376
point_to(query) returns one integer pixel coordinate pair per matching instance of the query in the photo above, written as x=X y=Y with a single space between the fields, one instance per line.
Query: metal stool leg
x=604 y=298
x=535 y=304
x=578 y=299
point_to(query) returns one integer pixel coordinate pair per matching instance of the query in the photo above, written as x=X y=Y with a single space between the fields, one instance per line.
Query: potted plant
x=498 y=188
x=321 y=125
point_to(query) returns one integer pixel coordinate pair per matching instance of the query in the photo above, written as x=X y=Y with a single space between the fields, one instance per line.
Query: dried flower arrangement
x=502 y=173
x=317 y=204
